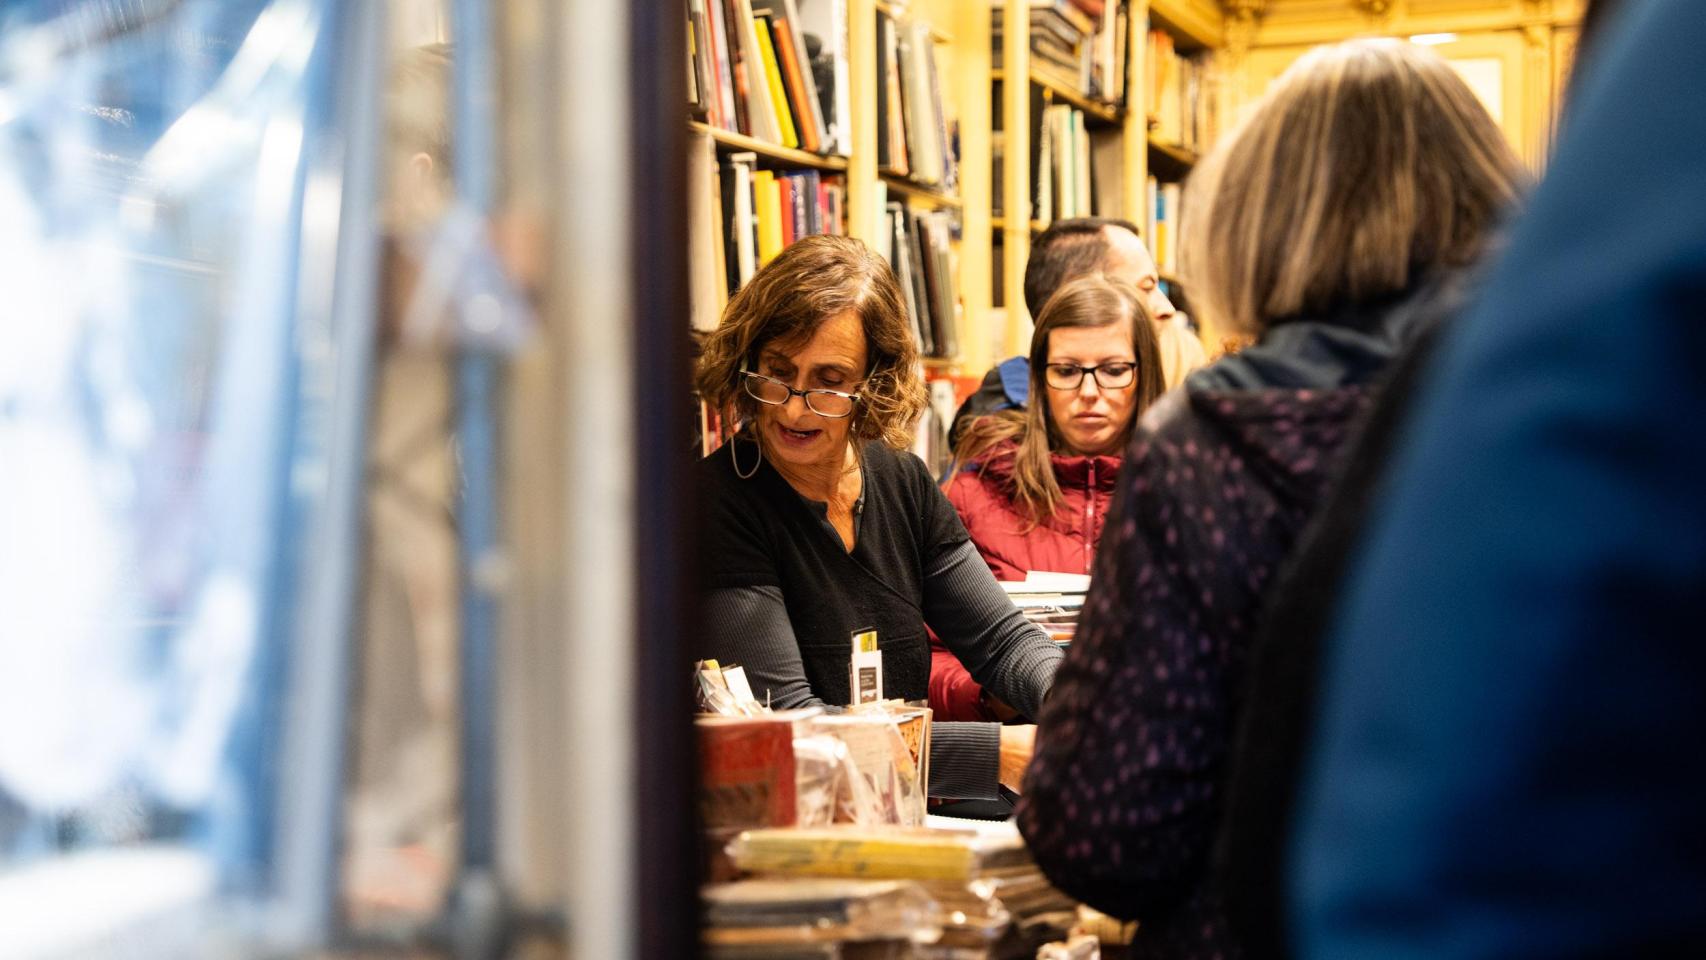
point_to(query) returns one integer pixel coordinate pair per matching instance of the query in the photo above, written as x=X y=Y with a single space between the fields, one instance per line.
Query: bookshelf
x=1125 y=153
x=869 y=52
x=774 y=152
x=987 y=253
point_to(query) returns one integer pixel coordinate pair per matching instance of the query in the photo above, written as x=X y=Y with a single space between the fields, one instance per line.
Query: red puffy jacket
x=1064 y=542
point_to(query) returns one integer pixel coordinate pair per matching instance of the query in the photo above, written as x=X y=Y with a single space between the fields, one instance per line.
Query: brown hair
x=1365 y=165
x=1067 y=249
x=1092 y=300
x=812 y=280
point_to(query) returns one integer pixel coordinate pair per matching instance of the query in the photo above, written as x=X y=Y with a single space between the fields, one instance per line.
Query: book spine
x=786 y=134
x=769 y=215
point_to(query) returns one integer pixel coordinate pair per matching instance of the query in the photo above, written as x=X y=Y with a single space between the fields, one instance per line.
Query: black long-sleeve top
x=784 y=597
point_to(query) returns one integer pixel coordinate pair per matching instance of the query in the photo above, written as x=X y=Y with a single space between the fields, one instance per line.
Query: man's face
x=1129 y=260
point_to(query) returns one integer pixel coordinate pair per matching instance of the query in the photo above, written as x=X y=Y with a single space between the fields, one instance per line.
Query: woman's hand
x=1017 y=743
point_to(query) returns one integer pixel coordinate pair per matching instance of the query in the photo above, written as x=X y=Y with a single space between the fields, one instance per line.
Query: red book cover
x=785 y=190
x=747 y=772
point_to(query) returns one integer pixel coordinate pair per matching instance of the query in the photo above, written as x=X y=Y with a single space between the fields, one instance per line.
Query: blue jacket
x=1509 y=761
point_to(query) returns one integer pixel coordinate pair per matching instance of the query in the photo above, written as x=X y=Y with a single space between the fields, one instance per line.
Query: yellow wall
x=1516 y=53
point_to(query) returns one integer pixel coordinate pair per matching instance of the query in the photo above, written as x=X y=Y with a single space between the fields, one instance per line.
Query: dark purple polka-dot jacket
x=1121 y=802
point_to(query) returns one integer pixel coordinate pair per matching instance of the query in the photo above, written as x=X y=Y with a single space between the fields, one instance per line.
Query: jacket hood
x=1299 y=390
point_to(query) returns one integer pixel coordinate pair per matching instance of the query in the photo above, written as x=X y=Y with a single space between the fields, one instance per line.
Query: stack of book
x=913 y=137
x=813 y=919
x=1051 y=600
x=989 y=898
x=1181 y=107
x=917 y=245
x=1077 y=45
x=775 y=70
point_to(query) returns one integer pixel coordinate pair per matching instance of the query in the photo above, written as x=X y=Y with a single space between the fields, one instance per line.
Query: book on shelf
x=926 y=123
x=774 y=70
x=823 y=37
x=751 y=80
x=1063 y=184
x=914 y=135
x=760 y=212
x=706 y=228
x=917 y=245
x=698 y=77
x=892 y=155
x=1181 y=106
x=1165 y=208
x=1075 y=50
x=798 y=85
x=930 y=444
x=762 y=30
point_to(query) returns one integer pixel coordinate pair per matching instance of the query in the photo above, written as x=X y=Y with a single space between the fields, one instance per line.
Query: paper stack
x=1051 y=600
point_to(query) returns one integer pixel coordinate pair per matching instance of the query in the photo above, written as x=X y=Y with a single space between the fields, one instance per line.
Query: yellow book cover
x=879 y=853
x=767 y=204
x=773 y=81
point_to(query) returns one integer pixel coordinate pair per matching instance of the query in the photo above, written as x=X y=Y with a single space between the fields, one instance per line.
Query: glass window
x=163 y=424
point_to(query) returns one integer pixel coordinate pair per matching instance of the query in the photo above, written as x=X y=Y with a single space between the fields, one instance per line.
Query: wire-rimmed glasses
x=825 y=403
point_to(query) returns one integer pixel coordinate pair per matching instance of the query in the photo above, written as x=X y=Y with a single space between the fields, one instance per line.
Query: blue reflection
x=151 y=181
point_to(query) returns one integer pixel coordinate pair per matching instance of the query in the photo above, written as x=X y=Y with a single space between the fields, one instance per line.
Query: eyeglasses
x=825 y=403
x=1108 y=376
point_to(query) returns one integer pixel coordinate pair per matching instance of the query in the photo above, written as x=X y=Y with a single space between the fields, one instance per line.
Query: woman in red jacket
x=1033 y=486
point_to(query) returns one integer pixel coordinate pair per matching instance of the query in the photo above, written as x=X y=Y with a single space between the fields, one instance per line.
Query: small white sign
x=865 y=676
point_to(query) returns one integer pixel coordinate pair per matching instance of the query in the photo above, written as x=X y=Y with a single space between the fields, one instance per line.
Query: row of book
x=1165 y=207
x=775 y=70
x=1181 y=106
x=1075 y=171
x=1078 y=45
x=741 y=216
x=914 y=139
x=917 y=245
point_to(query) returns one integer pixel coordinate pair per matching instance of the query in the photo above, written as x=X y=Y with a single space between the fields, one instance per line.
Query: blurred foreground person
x=1504 y=761
x=1335 y=223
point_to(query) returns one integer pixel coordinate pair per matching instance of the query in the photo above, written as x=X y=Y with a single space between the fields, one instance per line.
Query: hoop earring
x=734 y=458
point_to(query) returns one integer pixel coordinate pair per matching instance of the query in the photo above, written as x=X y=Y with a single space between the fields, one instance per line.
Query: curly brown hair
x=814 y=279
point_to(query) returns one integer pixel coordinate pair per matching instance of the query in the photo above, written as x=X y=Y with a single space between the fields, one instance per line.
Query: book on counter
x=893 y=853
x=816 y=910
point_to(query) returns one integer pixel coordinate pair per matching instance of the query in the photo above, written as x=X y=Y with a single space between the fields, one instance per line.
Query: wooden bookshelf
x=774 y=152
x=1169 y=161
x=923 y=194
x=903 y=11
x=1196 y=24
x=1037 y=226
x=1106 y=113
x=1119 y=130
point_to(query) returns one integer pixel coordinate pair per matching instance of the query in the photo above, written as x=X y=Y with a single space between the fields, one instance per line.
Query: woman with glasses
x=819 y=526
x=1033 y=486
x=1332 y=227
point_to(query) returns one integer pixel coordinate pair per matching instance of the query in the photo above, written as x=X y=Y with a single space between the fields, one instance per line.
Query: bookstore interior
x=425 y=552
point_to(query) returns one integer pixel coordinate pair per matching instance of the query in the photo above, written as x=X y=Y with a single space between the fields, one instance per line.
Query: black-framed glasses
x=825 y=403
x=1109 y=376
